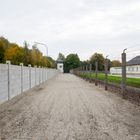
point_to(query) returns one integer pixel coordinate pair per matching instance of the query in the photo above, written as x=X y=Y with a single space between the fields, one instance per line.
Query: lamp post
x=45 y=45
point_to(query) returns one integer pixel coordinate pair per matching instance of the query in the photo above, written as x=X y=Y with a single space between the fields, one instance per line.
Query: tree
x=27 y=54
x=52 y=62
x=72 y=61
x=61 y=57
x=4 y=44
x=97 y=57
x=2 y=51
x=116 y=63
x=36 y=56
x=15 y=54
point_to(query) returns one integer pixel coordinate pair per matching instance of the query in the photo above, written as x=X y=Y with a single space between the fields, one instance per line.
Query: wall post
x=39 y=76
x=35 y=75
x=29 y=76
x=8 y=64
x=21 y=64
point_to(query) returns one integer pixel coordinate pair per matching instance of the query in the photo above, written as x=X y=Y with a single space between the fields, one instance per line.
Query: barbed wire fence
x=87 y=71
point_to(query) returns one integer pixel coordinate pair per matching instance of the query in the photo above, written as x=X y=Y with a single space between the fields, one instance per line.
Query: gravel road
x=69 y=108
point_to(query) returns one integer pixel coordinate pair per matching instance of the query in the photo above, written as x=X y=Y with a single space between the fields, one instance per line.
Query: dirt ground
x=69 y=108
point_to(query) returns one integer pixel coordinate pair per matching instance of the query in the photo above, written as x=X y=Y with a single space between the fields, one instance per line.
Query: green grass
x=134 y=82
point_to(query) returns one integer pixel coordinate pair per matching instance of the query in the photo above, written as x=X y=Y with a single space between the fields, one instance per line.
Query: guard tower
x=60 y=65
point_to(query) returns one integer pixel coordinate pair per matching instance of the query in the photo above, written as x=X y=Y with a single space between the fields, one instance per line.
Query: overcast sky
x=73 y=26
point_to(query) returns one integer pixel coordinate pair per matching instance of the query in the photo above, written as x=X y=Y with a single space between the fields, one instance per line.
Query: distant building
x=132 y=68
x=60 y=65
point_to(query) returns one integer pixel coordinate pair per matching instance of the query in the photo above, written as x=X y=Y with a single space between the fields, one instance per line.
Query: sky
x=73 y=26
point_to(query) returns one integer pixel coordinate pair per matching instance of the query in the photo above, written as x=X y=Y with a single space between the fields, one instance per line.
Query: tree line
x=72 y=61
x=22 y=54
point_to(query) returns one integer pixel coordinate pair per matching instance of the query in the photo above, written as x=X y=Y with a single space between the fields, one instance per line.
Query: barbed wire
x=137 y=50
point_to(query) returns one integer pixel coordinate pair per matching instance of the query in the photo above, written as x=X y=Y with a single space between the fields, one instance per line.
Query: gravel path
x=69 y=108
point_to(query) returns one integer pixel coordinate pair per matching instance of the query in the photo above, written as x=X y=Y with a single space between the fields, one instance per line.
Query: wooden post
x=123 y=84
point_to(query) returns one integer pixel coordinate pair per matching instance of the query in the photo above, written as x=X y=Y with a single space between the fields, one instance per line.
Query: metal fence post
x=21 y=64
x=123 y=73
x=29 y=75
x=96 y=73
x=106 y=74
x=8 y=64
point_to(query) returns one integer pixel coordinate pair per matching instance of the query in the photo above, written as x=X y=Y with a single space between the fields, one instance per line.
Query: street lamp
x=45 y=45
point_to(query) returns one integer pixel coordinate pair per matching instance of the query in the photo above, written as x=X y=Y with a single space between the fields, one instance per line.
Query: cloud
x=81 y=26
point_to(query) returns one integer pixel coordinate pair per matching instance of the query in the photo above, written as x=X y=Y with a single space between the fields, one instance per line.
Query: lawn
x=134 y=82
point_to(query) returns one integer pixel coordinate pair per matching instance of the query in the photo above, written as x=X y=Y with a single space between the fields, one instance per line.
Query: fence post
x=42 y=74
x=21 y=64
x=86 y=71
x=8 y=63
x=83 y=70
x=46 y=74
x=123 y=73
x=96 y=73
x=29 y=76
x=35 y=75
x=39 y=76
x=90 y=68
x=106 y=73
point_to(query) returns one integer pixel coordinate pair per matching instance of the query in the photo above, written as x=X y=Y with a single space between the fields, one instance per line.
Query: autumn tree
x=27 y=54
x=15 y=54
x=97 y=57
x=52 y=62
x=2 y=51
x=4 y=44
x=116 y=63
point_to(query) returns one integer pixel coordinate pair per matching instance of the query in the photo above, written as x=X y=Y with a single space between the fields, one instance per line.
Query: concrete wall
x=16 y=79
